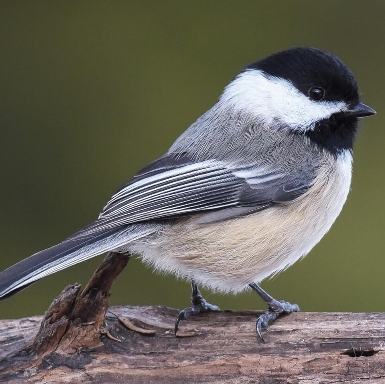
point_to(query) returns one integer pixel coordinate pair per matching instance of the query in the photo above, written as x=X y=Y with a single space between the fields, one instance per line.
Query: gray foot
x=276 y=308
x=199 y=305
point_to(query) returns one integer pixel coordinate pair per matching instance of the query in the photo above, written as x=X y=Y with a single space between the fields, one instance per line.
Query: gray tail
x=70 y=252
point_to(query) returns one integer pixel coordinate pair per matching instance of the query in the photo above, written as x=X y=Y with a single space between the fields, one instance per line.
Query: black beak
x=359 y=110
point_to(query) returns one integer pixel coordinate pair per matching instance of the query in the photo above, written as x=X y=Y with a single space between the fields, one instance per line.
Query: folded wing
x=175 y=186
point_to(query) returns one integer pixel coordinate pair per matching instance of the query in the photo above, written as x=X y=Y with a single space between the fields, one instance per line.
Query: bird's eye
x=316 y=93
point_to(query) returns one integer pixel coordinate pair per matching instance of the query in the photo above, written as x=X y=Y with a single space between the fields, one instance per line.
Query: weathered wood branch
x=76 y=343
x=299 y=348
x=74 y=320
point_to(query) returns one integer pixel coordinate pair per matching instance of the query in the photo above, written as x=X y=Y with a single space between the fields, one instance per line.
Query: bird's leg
x=276 y=308
x=199 y=304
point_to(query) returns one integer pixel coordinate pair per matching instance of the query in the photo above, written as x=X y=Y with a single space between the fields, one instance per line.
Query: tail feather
x=70 y=252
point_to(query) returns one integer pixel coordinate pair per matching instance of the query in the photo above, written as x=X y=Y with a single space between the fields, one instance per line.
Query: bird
x=247 y=190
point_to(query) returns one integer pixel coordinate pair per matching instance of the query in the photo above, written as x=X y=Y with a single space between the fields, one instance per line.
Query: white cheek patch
x=273 y=99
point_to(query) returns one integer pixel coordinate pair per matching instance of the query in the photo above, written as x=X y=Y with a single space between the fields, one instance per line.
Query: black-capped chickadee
x=248 y=189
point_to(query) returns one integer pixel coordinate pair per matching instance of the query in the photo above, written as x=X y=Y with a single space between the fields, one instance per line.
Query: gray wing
x=175 y=186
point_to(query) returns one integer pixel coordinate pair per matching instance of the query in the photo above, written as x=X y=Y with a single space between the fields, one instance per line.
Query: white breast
x=228 y=255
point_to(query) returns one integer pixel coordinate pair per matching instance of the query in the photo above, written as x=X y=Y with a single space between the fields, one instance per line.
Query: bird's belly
x=227 y=256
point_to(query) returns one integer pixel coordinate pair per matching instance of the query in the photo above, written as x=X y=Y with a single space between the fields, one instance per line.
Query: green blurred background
x=91 y=91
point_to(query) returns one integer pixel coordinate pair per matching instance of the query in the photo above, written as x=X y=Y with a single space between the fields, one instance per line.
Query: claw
x=258 y=326
x=185 y=313
x=179 y=318
x=264 y=320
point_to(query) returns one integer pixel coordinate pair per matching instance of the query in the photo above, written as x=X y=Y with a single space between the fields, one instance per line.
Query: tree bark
x=221 y=348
